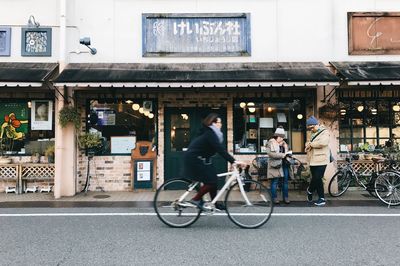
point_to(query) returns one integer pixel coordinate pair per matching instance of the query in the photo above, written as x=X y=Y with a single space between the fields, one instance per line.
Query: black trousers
x=317 y=173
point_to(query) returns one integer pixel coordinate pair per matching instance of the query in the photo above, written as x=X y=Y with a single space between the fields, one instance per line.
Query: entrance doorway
x=181 y=126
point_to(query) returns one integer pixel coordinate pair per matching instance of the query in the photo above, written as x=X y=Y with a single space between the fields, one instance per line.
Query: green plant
x=69 y=114
x=49 y=150
x=89 y=141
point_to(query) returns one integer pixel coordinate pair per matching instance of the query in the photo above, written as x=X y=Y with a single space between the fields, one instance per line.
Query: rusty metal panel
x=374 y=33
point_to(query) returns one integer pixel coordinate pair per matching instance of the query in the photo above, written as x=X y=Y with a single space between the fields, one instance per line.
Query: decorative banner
x=5 y=41
x=14 y=119
x=196 y=34
x=36 y=41
x=42 y=115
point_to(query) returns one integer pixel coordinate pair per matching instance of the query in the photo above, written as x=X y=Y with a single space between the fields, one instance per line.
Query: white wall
x=281 y=30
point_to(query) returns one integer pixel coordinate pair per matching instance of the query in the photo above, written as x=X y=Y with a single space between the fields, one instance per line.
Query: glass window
x=180 y=132
x=114 y=120
x=255 y=122
x=372 y=121
x=27 y=126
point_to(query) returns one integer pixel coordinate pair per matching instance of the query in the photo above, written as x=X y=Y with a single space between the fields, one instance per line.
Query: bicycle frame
x=234 y=175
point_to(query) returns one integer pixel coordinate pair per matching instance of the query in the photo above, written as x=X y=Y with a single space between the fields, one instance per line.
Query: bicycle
x=248 y=202
x=387 y=184
x=341 y=180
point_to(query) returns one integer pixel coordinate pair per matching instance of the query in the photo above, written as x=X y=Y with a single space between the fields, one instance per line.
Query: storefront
x=369 y=105
x=164 y=104
x=27 y=122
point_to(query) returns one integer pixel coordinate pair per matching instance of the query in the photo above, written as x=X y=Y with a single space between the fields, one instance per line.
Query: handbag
x=275 y=163
x=331 y=158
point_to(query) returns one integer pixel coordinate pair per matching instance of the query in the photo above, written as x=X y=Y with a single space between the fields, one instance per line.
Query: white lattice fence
x=9 y=171
x=37 y=171
x=365 y=167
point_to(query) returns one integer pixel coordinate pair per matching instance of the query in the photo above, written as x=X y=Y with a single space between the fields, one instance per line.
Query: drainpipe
x=59 y=136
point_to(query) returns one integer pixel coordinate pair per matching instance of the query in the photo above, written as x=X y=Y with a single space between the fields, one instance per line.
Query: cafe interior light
x=129 y=101
x=299 y=116
x=242 y=105
x=374 y=111
x=251 y=107
x=360 y=108
x=269 y=109
x=343 y=111
x=141 y=110
x=146 y=112
x=151 y=115
x=29 y=104
x=396 y=108
x=135 y=106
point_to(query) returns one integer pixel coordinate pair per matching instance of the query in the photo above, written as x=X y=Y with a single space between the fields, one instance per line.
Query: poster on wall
x=42 y=115
x=14 y=116
x=122 y=144
x=106 y=117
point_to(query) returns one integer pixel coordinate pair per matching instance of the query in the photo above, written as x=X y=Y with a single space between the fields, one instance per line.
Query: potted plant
x=7 y=137
x=329 y=111
x=69 y=114
x=49 y=153
x=89 y=142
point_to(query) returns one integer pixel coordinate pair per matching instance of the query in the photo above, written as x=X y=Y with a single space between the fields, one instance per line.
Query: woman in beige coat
x=278 y=166
x=318 y=153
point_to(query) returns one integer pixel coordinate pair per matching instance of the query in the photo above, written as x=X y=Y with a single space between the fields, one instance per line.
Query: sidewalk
x=145 y=199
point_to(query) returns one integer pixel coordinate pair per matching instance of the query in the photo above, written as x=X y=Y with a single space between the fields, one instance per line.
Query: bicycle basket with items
x=260 y=164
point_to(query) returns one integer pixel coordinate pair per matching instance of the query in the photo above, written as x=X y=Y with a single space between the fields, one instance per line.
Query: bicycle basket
x=261 y=166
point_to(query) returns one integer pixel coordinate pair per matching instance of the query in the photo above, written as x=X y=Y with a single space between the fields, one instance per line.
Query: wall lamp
x=86 y=41
x=32 y=22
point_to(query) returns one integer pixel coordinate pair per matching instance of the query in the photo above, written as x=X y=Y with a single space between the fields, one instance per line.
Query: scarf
x=217 y=132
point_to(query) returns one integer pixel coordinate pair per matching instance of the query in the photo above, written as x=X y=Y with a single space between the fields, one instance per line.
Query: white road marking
x=217 y=214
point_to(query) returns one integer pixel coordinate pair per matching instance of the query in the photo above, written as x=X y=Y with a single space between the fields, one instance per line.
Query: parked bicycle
x=341 y=180
x=248 y=202
x=384 y=185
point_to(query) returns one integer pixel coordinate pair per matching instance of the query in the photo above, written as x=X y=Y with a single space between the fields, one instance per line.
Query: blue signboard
x=196 y=34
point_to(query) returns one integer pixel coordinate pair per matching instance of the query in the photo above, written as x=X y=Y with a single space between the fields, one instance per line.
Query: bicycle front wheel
x=252 y=213
x=169 y=209
x=387 y=188
x=339 y=183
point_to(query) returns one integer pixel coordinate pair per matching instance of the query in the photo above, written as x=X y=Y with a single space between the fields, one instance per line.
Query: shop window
x=122 y=123
x=372 y=121
x=255 y=122
x=27 y=126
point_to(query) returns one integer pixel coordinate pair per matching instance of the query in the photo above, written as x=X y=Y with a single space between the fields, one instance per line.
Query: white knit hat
x=280 y=132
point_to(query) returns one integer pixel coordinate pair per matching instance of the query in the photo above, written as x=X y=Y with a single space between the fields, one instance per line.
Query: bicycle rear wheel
x=387 y=188
x=339 y=183
x=169 y=210
x=251 y=215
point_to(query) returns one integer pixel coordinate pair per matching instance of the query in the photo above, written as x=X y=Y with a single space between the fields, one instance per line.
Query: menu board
x=122 y=144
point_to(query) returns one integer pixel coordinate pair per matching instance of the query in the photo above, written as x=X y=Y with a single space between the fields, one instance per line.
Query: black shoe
x=198 y=203
x=309 y=196
x=220 y=206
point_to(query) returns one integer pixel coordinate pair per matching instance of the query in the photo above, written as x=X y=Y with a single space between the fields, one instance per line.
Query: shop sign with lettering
x=196 y=34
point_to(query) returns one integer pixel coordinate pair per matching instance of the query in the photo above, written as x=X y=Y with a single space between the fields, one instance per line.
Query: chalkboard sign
x=122 y=144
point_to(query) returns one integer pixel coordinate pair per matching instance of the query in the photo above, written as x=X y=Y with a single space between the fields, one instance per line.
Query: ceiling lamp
x=269 y=109
x=299 y=116
x=146 y=113
x=242 y=105
x=343 y=111
x=135 y=106
x=360 y=108
x=151 y=115
x=141 y=110
x=128 y=101
x=251 y=105
x=374 y=111
x=396 y=108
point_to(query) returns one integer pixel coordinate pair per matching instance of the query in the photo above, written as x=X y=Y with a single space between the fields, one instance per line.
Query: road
x=134 y=236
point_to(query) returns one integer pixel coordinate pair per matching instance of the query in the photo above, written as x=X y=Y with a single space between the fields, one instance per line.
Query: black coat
x=197 y=158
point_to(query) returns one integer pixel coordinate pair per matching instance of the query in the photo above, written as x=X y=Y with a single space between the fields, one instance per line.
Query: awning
x=369 y=73
x=25 y=74
x=197 y=75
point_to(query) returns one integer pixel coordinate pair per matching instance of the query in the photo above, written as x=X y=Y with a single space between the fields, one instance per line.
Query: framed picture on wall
x=36 y=41
x=42 y=115
x=5 y=41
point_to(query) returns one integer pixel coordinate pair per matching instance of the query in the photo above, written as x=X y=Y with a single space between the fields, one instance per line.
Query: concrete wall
x=281 y=30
